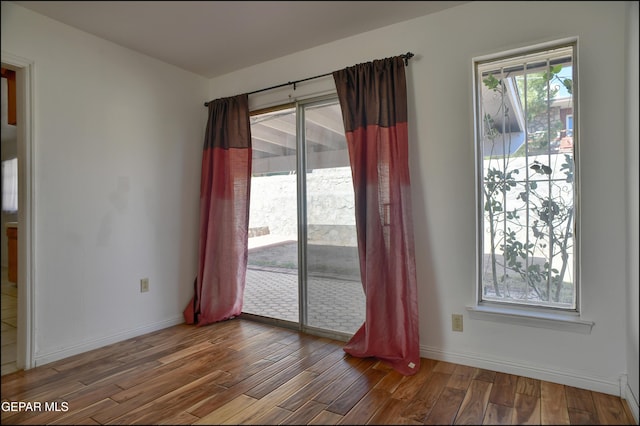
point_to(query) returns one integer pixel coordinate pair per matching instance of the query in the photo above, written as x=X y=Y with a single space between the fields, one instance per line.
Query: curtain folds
x=373 y=99
x=224 y=213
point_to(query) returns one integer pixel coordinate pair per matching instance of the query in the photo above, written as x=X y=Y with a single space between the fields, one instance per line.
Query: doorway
x=303 y=268
x=9 y=222
x=22 y=69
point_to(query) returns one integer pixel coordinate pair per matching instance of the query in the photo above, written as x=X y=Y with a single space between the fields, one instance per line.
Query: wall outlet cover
x=456 y=322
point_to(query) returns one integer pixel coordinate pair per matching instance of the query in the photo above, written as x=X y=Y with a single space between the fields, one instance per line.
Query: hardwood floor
x=245 y=372
x=8 y=333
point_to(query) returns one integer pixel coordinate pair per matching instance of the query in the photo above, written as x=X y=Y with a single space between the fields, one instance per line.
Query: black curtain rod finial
x=406 y=57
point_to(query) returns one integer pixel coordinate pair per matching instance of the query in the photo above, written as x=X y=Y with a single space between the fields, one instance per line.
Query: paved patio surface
x=335 y=300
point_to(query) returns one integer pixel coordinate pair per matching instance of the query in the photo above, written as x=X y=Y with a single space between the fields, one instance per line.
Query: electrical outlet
x=144 y=285
x=456 y=322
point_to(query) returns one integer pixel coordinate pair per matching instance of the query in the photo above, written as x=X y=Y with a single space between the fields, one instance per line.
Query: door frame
x=26 y=198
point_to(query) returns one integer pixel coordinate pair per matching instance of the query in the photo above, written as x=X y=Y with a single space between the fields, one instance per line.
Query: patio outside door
x=303 y=268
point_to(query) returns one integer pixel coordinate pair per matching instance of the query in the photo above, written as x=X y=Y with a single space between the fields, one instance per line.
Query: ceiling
x=212 y=38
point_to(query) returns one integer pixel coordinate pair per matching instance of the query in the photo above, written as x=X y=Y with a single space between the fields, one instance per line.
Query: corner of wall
x=632 y=389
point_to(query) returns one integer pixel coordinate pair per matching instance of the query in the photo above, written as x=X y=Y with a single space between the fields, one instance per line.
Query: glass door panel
x=272 y=272
x=334 y=296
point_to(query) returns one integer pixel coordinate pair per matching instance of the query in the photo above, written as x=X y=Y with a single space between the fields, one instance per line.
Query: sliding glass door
x=303 y=261
x=272 y=273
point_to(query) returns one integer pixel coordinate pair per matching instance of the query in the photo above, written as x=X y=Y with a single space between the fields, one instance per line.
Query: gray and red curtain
x=373 y=98
x=224 y=213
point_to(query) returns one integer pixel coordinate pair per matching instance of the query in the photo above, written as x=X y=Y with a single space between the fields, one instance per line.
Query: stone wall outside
x=330 y=206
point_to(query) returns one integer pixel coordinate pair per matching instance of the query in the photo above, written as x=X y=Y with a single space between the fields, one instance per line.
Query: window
x=526 y=139
x=10 y=185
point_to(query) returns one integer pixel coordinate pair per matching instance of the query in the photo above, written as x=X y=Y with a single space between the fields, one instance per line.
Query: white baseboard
x=566 y=377
x=41 y=359
x=632 y=401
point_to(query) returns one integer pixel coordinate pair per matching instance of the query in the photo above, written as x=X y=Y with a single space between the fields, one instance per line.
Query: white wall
x=117 y=140
x=442 y=170
x=116 y=153
x=633 y=140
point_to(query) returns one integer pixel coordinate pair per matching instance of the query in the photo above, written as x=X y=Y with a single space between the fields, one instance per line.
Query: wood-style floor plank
x=83 y=416
x=461 y=377
x=317 y=385
x=446 y=408
x=365 y=408
x=350 y=397
x=408 y=388
x=177 y=400
x=484 y=375
x=503 y=391
x=580 y=405
x=326 y=418
x=553 y=404
x=304 y=414
x=390 y=382
x=246 y=372
x=578 y=417
x=391 y=413
x=497 y=414
x=526 y=410
x=580 y=399
x=317 y=351
x=528 y=386
x=609 y=408
x=338 y=386
x=475 y=402
x=426 y=397
x=247 y=416
x=228 y=410
x=274 y=416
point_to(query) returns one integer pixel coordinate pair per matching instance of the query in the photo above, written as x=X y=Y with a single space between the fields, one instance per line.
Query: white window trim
x=522 y=315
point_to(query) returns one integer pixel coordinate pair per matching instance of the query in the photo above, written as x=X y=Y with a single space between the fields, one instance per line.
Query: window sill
x=531 y=318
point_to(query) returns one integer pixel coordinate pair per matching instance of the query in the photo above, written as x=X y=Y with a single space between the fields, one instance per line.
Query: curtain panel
x=373 y=99
x=224 y=213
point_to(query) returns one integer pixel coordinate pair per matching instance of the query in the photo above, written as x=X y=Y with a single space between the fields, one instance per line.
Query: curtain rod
x=406 y=58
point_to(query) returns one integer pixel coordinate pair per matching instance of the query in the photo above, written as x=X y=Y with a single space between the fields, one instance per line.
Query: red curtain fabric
x=224 y=213
x=373 y=98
